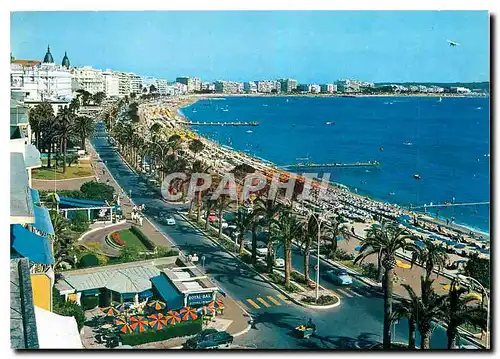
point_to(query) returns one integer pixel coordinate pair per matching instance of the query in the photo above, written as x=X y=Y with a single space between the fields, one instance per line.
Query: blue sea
x=447 y=143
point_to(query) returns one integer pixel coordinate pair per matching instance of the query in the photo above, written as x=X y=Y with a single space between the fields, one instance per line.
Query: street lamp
x=470 y=279
x=319 y=220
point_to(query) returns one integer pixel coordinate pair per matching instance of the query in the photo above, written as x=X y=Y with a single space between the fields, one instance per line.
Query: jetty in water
x=335 y=164
x=237 y=123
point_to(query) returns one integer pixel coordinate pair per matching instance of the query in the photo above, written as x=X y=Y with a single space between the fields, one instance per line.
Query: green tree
x=80 y=221
x=210 y=205
x=407 y=308
x=38 y=116
x=223 y=203
x=196 y=146
x=270 y=209
x=84 y=127
x=98 y=97
x=287 y=228
x=336 y=228
x=385 y=240
x=65 y=123
x=479 y=269
x=97 y=191
x=243 y=223
x=68 y=309
x=49 y=137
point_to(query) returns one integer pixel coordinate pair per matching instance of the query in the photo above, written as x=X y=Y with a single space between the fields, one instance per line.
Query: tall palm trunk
x=206 y=218
x=198 y=214
x=451 y=333
x=64 y=144
x=241 y=241
x=83 y=142
x=49 y=153
x=254 y=242
x=307 y=251
x=388 y=289
x=288 y=261
x=425 y=339
x=191 y=205
x=411 y=333
x=380 y=272
x=270 y=254
x=221 y=211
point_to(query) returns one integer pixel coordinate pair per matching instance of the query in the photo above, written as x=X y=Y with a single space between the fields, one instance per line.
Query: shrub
x=369 y=270
x=298 y=277
x=322 y=300
x=179 y=330
x=89 y=302
x=343 y=255
x=142 y=237
x=97 y=191
x=247 y=258
x=88 y=260
x=70 y=309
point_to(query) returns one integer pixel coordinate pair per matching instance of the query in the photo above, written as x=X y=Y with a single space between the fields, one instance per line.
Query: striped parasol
x=120 y=321
x=219 y=304
x=126 y=328
x=138 y=323
x=157 y=305
x=157 y=321
x=172 y=317
x=110 y=311
x=121 y=307
x=188 y=313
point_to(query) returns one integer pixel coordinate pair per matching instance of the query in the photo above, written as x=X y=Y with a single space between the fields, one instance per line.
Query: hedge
x=142 y=237
x=88 y=260
x=181 y=329
x=89 y=302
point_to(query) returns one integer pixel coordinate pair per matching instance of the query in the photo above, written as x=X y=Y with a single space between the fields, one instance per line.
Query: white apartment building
x=135 y=83
x=208 y=86
x=123 y=83
x=288 y=85
x=176 y=89
x=346 y=85
x=43 y=82
x=90 y=79
x=230 y=87
x=268 y=86
x=328 y=88
x=111 y=84
x=250 y=87
x=314 y=88
x=193 y=83
x=460 y=90
x=162 y=85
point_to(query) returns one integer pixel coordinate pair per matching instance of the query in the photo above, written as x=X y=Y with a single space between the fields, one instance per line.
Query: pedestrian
x=352 y=230
x=140 y=221
x=103 y=171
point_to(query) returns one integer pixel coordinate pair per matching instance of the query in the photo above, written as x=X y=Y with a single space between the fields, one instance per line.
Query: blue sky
x=312 y=46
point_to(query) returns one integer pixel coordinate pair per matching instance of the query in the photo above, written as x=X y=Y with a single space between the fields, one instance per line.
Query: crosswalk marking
x=273 y=300
x=263 y=302
x=253 y=304
x=344 y=292
x=283 y=298
x=354 y=292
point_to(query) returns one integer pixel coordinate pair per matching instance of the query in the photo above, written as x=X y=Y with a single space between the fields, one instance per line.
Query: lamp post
x=470 y=279
x=319 y=221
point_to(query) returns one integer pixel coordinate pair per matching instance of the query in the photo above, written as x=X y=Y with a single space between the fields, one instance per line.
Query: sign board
x=199 y=298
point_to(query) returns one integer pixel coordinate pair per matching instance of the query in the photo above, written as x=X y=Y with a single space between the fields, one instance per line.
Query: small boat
x=407 y=143
x=264 y=105
x=330 y=123
x=381 y=149
x=392 y=193
x=293 y=125
x=286 y=100
x=440 y=99
x=249 y=131
x=416 y=176
x=479 y=108
x=225 y=110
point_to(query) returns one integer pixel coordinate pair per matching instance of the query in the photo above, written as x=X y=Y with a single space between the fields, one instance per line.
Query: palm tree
x=84 y=127
x=270 y=209
x=223 y=202
x=38 y=116
x=429 y=308
x=196 y=146
x=336 y=228
x=75 y=104
x=459 y=310
x=243 y=223
x=287 y=228
x=209 y=205
x=430 y=257
x=385 y=240
x=407 y=308
x=197 y=166
x=49 y=137
x=98 y=97
x=65 y=120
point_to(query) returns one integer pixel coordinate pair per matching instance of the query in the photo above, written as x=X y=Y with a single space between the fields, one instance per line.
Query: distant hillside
x=484 y=86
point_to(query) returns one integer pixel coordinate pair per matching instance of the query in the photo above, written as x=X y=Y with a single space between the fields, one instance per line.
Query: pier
x=425 y=206
x=336 y=164
x=237 y=123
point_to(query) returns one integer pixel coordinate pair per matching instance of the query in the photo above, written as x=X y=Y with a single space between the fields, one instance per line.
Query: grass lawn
x=131 y=239
x=75 y=171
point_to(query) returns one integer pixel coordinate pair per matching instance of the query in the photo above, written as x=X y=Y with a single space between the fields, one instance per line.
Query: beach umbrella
x=419 y=243
x=172 y=317
x=357 y=249
x=461 y=261
x=447 y=286
x=219 y=304
x=110 y=311
x=120 y=321
x=402 y=265
x=126 y=328
x=138 y=323
x=157 y=305
x=206 y=310
x=459 y=245
x=339 y=238
x=188 y=313
x=157 y=321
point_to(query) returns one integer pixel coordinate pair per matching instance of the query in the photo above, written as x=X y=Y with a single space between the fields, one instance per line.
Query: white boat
x=225 y=110
x=440 y=99
x=249 y=131
x=408 y=143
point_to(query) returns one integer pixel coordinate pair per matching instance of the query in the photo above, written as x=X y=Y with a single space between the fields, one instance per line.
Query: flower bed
x=322 y=300
x=116 y=239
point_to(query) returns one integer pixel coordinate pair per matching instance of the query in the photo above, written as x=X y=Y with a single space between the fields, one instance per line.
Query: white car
x=279 y=262
x=339 y=276
x=170 y=221
x=261 y=249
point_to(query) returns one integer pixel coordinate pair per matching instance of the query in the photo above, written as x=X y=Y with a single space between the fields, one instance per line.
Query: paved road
x=356 y=323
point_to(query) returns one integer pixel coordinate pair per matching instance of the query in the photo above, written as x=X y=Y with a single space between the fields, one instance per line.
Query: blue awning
x=30 y=245
x=35 y=196
x=80 y=203
x=146 y=294
x=170 y=294
x=42 y=220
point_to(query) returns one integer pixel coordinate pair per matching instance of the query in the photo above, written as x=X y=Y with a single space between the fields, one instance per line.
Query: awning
x=35 y=196
x=56 y=331
x=91 y=292
x=79 y=203
x=32 y=157
x=30 y=245
x=146 y=293
x=42 y=220
x=168 y=292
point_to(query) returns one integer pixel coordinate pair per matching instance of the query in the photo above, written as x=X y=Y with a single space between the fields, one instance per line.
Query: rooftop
x=21 y=204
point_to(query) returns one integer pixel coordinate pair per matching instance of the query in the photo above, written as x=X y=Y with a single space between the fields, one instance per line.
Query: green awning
x=168 y=292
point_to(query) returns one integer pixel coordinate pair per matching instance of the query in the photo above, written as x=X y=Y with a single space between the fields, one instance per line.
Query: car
x=261 y=249
x=279 y=262
x=170 y=221
x=209 y=339
x=212 y=217
x=339 y=276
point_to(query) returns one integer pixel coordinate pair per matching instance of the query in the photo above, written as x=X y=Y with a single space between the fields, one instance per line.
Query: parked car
x=170 y=221
x=279 y=262
x=209 y=339
x=339 y=276
x=261 y=249
x=212 y=217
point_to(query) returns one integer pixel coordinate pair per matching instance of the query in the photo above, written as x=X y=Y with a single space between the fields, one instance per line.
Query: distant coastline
x=345 y=95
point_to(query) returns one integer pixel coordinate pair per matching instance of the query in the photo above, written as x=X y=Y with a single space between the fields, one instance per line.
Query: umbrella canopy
x=172 y=317
x=357 y=249
x=461 y=261
x=475 y=295
x=206 y=310
x=216 y=304
x=157 y=321
x=419 y=243
x=459 y=245
x=157 y=305
x=403 y=265
x=126 y=328
x=110 y=311
x=339 y=238
x=188 y=313
x=138 y=323
x=120 y=321
x=447 y=287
